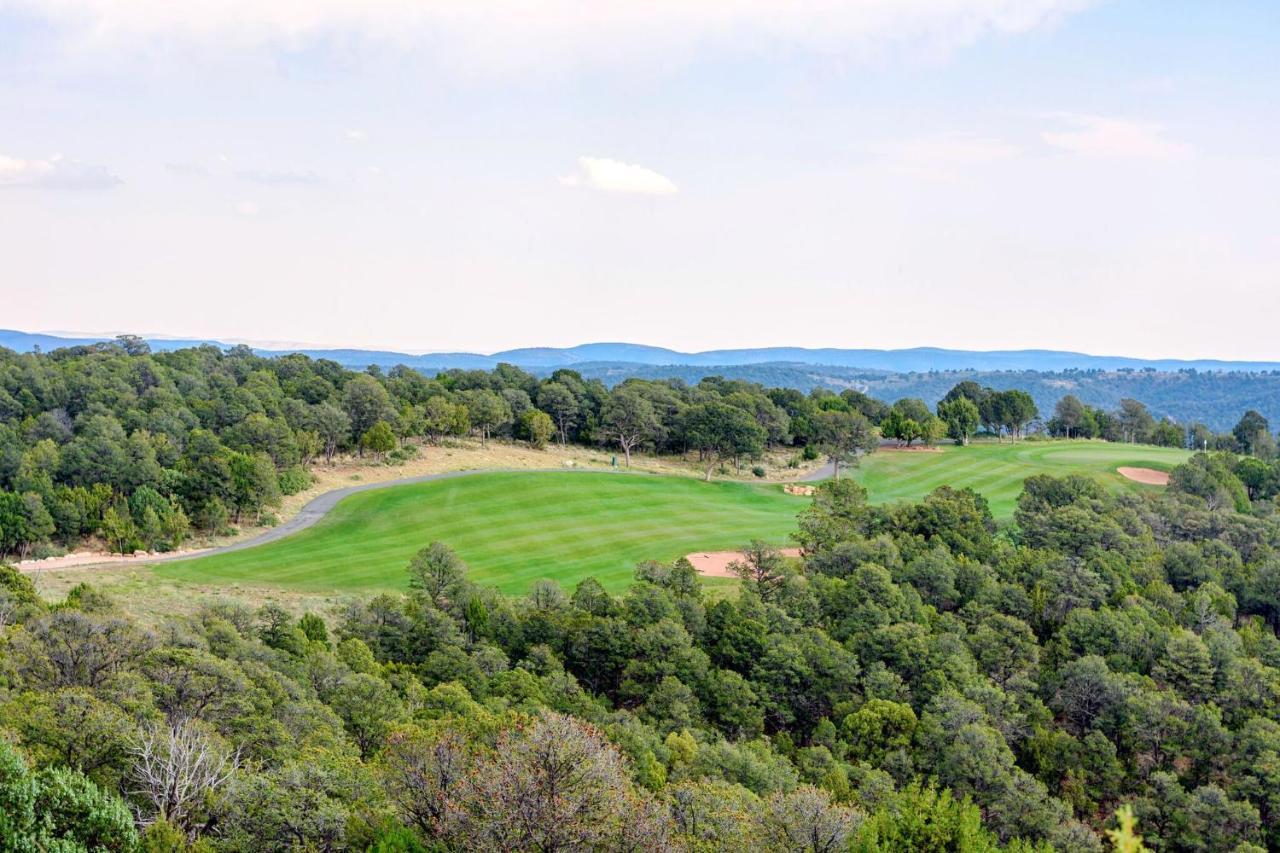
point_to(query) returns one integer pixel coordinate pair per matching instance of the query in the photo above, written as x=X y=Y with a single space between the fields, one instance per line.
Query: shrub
x=758 y=471
x=294 y=479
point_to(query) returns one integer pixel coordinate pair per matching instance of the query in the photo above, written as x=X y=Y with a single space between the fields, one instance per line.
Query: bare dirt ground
x=715 y=564
x=915 y=448
x=1149 y=476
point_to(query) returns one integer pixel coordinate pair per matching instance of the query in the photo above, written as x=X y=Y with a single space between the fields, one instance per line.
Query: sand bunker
x=1149 y=476
x=715 y=564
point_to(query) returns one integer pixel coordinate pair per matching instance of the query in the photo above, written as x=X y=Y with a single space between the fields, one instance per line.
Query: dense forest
x=140 y=448
x=918 y=680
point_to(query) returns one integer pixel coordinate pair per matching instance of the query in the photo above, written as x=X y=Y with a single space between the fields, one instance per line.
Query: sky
x=474 y=175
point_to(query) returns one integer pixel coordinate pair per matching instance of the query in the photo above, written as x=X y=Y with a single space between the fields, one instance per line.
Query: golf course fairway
x=513 y=528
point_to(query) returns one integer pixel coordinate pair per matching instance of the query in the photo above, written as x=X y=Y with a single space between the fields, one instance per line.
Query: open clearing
x=513 y=528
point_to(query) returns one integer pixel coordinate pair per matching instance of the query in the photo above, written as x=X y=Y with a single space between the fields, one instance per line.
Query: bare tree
x=554 y=785
x=423 y=776
x=8 y=608
x=176 y=768
x=806 y=820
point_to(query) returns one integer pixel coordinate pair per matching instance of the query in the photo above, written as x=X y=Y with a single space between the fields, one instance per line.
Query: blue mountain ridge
x=543 y=359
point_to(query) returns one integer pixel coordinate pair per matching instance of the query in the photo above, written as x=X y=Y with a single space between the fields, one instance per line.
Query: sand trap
x=715 y=564
x=1149 y=476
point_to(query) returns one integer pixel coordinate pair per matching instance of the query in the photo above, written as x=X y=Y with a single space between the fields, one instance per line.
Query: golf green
x=997 y=470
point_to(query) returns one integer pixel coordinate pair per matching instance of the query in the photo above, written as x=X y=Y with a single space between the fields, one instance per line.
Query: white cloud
x=247 y=209
x=355 y=135
x=601 y=173
x=500 y=35
x=1103 y=137
x=54 y=172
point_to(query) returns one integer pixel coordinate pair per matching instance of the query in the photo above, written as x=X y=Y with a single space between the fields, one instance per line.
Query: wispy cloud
x=355 y=135
x=55 y=172
x=1110 y=137
x=601 y=173
x=498 y=35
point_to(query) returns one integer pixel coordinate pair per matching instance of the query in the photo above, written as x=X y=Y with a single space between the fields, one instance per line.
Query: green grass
x=997 y=470
x=514 y=528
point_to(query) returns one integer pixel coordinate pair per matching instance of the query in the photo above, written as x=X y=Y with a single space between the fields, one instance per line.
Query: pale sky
x=482 y=174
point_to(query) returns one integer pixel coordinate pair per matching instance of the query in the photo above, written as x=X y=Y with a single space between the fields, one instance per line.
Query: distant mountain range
x=604 y=355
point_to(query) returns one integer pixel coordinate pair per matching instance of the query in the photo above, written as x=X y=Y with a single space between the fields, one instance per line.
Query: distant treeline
x=139 y=447
x=1214 y=398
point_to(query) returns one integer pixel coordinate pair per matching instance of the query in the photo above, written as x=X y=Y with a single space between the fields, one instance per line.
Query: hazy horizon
x=1081 y=175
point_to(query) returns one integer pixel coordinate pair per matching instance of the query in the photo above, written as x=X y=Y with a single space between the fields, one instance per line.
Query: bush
x=402 y=454
x=809 y=453
x=758 y=471
x=294 y=480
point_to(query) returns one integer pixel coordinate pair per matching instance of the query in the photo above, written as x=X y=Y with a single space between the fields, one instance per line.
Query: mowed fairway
x=997 y=470
x=512 y=529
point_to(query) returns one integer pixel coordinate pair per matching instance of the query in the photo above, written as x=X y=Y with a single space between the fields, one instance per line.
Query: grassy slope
x=513 y=528
x=997 y=470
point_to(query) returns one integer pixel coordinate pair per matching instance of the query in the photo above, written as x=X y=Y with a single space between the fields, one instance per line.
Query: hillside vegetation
x=922 y=680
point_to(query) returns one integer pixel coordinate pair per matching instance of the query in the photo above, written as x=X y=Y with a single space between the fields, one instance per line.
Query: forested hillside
x=141 y=448
x=917 y=681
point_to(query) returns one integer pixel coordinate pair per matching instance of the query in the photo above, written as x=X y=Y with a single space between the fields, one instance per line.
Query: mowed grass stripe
x=516 y=527
x=512 y=529
x=997 y=470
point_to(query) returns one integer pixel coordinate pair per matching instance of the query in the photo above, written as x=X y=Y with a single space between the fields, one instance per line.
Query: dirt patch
x=715 y=564
x=902 y=448
x=94 y=558
x=1147 y=476
x=794 y=489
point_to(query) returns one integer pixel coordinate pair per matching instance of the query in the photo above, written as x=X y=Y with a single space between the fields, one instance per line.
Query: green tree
x=438 y=574
x=1252 y=431
x=843 y=436
x=378 y=439
x=961 y=417
x=536 y=427
x=629 y=420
